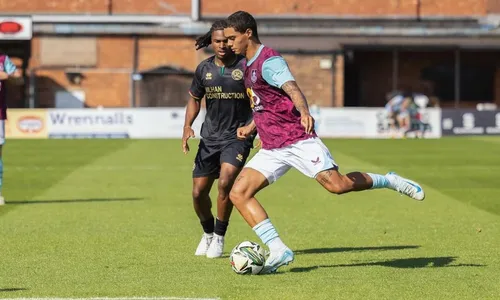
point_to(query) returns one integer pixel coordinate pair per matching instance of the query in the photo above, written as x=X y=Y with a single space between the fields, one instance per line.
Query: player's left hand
x=307 y=122
x=244 y=132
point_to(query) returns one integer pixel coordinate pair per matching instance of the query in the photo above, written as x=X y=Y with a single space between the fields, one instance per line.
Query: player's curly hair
x=206 y=39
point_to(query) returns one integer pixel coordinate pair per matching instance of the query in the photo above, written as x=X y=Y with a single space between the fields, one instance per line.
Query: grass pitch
x=113 y=218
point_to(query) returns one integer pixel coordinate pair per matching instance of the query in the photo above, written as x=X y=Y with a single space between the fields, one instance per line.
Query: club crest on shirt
x=237 y=74
x=254 y=76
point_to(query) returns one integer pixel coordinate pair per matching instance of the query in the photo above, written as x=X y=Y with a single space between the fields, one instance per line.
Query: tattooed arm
x=276 y=73
x=298 y=99
x=300 y=102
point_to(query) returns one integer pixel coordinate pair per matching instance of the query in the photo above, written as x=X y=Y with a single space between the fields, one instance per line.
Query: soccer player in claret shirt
x=286 y=130
x=8 y=71
x=220 y=153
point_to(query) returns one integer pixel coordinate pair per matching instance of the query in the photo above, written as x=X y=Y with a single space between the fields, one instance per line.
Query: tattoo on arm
x=298 y=98
x=324 y=178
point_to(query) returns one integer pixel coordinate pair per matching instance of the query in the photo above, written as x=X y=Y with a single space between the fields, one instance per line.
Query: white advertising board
x=366 y=122
x=119 y=123
x=143 y=123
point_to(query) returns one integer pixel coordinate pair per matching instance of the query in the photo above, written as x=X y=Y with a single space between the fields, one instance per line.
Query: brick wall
x=178 y=51
x=291 y=7
x=108 y=84
x=348 y=7
x=321 y=86
x=97 y=6
x=316 y=83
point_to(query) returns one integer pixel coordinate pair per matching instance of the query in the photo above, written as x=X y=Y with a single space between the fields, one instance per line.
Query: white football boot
x=206 y=240
x=277 y=259
x=405 y=186
x=216 y=247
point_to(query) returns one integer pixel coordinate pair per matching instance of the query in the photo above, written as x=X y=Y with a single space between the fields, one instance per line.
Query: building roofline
x=349 y=17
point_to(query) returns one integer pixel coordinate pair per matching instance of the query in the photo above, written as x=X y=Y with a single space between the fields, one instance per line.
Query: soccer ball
x=247 y=258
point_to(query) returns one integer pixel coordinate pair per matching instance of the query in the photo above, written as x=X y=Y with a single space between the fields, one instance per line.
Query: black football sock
x=208 y=225
x=220 y=227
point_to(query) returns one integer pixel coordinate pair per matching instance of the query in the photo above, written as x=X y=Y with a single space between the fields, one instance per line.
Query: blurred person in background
x=8 y=71
x=399 y=110
x=221 y=154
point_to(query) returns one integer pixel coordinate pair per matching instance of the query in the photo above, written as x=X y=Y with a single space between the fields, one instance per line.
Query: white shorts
x=309 y=156
x=2 y=132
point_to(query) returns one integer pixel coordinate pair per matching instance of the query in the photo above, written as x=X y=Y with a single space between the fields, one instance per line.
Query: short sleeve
x=197 y=89
x=9 y=67
x=275 y=71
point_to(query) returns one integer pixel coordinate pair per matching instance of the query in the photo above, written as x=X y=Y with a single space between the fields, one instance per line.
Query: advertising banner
x=119 y=123
x=470 y=122
x=368 y=122
x=26 y=124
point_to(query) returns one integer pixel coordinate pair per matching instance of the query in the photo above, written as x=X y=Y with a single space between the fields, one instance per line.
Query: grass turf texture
x=113 y=218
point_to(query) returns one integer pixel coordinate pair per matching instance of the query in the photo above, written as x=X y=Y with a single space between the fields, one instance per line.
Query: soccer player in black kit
x=223 y=149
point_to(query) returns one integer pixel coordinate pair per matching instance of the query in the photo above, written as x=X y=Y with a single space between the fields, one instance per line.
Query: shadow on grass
x=12 y=289
x=403 y=263
x=353 y=249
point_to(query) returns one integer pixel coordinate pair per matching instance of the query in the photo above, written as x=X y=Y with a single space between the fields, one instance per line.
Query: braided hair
x=206 y=39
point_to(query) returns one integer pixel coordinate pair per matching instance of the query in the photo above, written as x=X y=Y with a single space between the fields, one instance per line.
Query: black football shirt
x=227 y=103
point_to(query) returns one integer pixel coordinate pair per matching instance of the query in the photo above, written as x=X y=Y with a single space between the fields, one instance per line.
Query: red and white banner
x=16 y=28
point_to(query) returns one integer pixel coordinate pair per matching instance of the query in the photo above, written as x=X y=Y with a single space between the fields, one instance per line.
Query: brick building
x=342 y=52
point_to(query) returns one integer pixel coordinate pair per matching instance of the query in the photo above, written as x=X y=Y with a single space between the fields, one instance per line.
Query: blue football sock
x=268 y=234
x=379 y=181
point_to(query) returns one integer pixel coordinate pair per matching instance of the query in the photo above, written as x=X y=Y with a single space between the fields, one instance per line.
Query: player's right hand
x=243 y=132
x=307 y=122
x=188 y=133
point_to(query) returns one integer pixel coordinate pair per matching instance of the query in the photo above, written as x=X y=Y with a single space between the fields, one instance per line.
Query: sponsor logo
x=10 y=27
x=254 y=100
x=470 y=122
x=239 y=157
x=419 y=189
x=30 y=124
x=254 y=76
x=118 y=118
x=237 y=74
x=316 y=161
x=208 y=76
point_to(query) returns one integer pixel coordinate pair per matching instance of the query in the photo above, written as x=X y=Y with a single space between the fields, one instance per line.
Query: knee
x=237 y=195
x=224 y=185
x=198 y=193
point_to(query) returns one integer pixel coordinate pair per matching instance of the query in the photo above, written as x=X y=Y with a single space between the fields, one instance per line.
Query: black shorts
x=210 y=157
